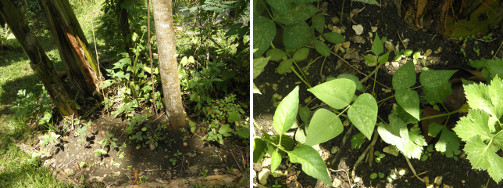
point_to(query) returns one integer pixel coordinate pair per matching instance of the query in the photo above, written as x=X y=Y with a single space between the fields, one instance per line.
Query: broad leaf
x=475 y=124
x=259 y=149
x=355 y=79
x=300 y=135
x=334 y=37
x=300 y=54
x=275 y=160
x=305 y=114
x=318 y=22
x=436 y=86
x=404 y=77
x=286 y=113
x=281 y=6
x=258 y=65
x=434 y=129
x=286 y=143
x=298 y=13
x=267 y=30
x=324 y=126
x=321 y=48
x=275 y=54
x=410 y=143
x=297 y=35
x=336 y=93
x=311 y=162
x=284 y=66
x=409 y=101
x=363 y=114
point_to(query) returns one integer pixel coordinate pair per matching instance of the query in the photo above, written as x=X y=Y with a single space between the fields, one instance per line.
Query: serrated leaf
x=318 y=22
x=286 y=113
x=297 y=35
x=275 y=54
x=275 y=160
x=259 y=65
x=404 y=77
x=434 y=129
x=321 y=48
x=284 y=66
x=282 y=6
x=363 y=114
x=377 y=46
x=355 y=79
x=267 y=30
x=233 y=117
x=410 y=143
x=336 y=93
x=311 y=162
x=324 y=126
x=334 y=37
x=448 y=143
x=259 y=150
x=357 y=140
x=409 y=101
x=486 y=97
x=484 y=157
x=300 y=54
x=475 y=124
x=436 y=85
x=296 y=14
x=305 y=114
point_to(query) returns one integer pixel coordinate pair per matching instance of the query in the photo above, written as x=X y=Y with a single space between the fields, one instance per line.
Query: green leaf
x=377 y=46
x=448 y=143
x=475 y=124
x=357 y=140
x=275 y=54
x=297 y=35
x=410 y=143
x=267 y=30
x=300 y=136
x=434 y=129
x=384 y=58
x=487 y=98
x=371 y=59
x=336 y=93
x=311 y=162
x=363 y=114
x=275 y=160
x=404 y=77
x=436 y=86
x=321 y=48
x=286 y=113
x=304 y=1
x=259 y=149
x=305 y=114
x=371 y=2
x=281 y=6
x=318 y=22
x=259 y=65
x=286 y=143
x=334 y=37
x=355 y=79
x=298 y=13
x=255 y=89
x=258 y=7
x=284 y=66
x=484 y=157
x=300 y=54
x=409 y=101
x=324 y=126
x=233 y=117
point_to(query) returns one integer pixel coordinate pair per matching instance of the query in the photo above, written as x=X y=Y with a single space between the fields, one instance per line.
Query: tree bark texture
x=168 y=66
x=40 y=63
x=74 y=50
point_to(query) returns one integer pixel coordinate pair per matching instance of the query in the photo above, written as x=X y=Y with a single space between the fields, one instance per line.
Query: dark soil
x=456 y=173
x=169 y=164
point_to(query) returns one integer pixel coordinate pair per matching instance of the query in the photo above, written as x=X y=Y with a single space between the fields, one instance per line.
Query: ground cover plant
x=122 y=136
x=409 y=108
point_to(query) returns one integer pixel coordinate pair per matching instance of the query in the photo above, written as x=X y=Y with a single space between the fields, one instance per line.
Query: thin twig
x=235 y=160
x=362 y=156
x=412 y=169
x=499 y=48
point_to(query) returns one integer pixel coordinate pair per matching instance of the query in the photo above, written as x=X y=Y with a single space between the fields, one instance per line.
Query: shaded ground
x=130 y=164
x=456 y=173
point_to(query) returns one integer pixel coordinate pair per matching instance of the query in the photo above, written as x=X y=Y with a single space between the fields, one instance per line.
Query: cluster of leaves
x=482 y=129
x=33 y=108
x=107 y=142
x=145 y=134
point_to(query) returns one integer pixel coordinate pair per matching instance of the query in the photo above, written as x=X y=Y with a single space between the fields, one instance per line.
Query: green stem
x=294 y=71
x=439 y=115
x=385 y=99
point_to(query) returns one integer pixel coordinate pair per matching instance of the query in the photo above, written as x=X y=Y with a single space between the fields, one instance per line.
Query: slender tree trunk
x=74 y=50
x=168 y=66
x=40 y=63
x=123 y=15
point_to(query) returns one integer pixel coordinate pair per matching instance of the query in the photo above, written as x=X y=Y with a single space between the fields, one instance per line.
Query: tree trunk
x=74 y=50
x=40 y=63
x=168 y=66
x=123 y=15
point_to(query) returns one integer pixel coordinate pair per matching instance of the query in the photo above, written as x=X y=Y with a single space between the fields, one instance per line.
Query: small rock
x=357 y=39
x=266 y=162
x=263 y=176
x=335 y=19
x=438 y=180
x=358 y=29
x=430 y=186
x=357 y=179
x=374 y=29
x=346 y=44
x=395 y=65
x=402 y=172
x=337 y=182
x=389 y=46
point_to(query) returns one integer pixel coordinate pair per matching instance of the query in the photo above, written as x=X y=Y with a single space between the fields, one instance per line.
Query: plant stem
x=439 y=115
x=305 y=82
x=359 y=72
x=362 y=156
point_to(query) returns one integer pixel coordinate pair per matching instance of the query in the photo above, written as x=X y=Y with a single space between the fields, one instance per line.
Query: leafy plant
x=29 y=107
x=481 y=128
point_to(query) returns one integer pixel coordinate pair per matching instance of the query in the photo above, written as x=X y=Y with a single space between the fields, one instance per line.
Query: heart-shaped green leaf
x=436 y=85
x=312 y=163
x=409 y=101
x=336 y=93
x=297 y=35
x=324 y=126
x=404 y=77
x=286 y=113
x=363 y=114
